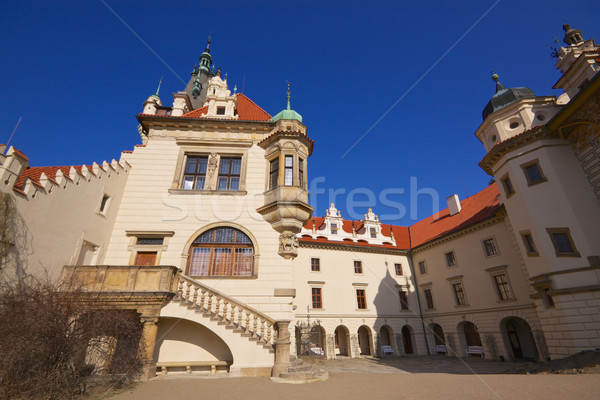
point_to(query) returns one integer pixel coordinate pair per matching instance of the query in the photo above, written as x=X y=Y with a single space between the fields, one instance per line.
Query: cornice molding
x=518 y=141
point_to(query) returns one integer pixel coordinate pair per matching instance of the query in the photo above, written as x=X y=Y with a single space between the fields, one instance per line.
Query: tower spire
x=158 y=88
x=288 y=95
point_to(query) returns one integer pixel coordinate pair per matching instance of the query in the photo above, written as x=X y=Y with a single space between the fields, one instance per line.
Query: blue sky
x=78 y=76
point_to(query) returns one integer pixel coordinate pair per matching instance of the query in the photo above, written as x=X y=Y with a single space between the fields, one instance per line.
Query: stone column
x=330 y=355
x=354 y=346
x=282 y=348
x=146 y=349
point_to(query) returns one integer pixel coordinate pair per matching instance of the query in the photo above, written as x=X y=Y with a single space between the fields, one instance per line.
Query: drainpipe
x=414 y=278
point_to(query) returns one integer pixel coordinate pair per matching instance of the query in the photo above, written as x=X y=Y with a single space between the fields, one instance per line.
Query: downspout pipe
x=414 y=278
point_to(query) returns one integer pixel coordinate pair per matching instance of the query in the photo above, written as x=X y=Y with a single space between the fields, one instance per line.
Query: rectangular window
x=489 y=245
x=315 y=264
x=274 y=173
x=428 y=298
x=529 y=244
x=508 y=186
x=502 y=287
x=149 y=241
x=398 y=268
x=450 y=259
x=289 y=171
x=548 y=300
x=220 y=110
x=195 y=172
x=316 y=298
x=334 y=229
x=301 y=172
x=422 y=269
x=358 y=267
x=229 y=173
x=403 y=299
x=361 y=299
x=563 y=243
x=533 y=173
x=373 y=232
x=459 y=294
x=104 y=204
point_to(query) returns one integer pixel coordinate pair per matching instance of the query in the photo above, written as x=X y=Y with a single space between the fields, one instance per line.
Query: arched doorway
x=471 y=334
x=364 y=340
x=520 y=341
x=342 y=341
x=407 y=340
x=385 y=335
x=438 y=335
x=317 y=341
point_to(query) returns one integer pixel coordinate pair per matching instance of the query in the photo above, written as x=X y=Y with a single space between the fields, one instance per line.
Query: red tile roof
x=474 y=209
x=35 y=173
x=400 y=233
x=246 y=108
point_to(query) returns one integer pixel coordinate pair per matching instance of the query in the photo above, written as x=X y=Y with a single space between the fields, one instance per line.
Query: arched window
x=221 y=252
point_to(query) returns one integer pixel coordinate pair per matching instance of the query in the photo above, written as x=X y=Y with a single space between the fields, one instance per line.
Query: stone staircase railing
x=246 y=320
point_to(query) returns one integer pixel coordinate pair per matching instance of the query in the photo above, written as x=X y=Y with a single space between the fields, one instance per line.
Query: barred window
x=221 y=252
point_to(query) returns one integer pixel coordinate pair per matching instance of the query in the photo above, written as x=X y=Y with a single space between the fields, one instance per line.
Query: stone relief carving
x=288 y=245
x=213 y=163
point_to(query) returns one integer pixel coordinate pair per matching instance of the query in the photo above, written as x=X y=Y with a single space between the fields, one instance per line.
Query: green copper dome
x=288 y=113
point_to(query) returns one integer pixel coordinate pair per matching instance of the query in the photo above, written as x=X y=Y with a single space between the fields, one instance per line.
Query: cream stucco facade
x=205 y=229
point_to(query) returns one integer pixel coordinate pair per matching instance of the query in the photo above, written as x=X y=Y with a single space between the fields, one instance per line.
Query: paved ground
x=406 y=378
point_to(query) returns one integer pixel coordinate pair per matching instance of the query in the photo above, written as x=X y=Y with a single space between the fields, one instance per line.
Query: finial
x=158 y=88
x=208 y=43
x=219 y=71
x=288 y=101
x=496 y=79
x=225 y=75
x=234 y=89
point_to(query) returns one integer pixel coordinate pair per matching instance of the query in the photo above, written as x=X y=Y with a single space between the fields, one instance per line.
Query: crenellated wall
x=58 y=218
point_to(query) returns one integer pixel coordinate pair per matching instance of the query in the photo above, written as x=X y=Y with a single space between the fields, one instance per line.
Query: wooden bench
x=440 y=348
x=475 y=350
x=189 y=365
x=387 y=350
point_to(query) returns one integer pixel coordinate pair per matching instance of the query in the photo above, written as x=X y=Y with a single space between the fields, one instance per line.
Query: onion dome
x=505 y=96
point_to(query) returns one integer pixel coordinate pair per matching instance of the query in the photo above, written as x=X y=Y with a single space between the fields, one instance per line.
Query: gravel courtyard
x=394 y=378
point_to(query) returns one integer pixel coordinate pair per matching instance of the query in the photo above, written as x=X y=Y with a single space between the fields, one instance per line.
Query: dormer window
x=373 y=232
x=334 y=229
x=220 y=110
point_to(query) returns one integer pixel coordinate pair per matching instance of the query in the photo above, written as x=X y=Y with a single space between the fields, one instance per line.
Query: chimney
x=453 y=204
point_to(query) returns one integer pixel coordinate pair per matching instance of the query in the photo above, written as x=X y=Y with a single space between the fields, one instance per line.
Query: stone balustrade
x=247 y=320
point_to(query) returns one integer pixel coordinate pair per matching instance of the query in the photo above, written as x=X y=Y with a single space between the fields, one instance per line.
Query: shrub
x=54 y=344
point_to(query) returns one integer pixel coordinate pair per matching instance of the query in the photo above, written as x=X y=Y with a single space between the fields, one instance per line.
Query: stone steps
x=301 y=372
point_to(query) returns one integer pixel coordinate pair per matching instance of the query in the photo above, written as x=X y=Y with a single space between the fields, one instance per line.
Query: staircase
x=226 y=311
x=301 y=372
